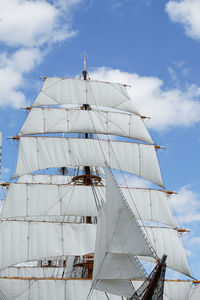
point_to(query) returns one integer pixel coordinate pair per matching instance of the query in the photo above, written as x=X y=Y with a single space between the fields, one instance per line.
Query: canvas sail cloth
x=173 y=290
x=50 y=120
x=53 y=197
x=119 y=239
x=79 y=289
x=36 y=153
x=42 y=240
x=195 y=293
x=76 y=91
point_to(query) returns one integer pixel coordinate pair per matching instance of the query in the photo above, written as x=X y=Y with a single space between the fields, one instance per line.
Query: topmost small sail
x=59 y=91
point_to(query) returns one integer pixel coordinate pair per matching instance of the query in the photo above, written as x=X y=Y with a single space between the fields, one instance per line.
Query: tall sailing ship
x=68 y=230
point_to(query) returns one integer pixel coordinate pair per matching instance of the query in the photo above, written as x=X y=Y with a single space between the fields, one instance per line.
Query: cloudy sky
x=154 y=46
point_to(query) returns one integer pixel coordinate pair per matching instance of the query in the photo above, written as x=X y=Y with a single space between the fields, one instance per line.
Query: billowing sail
x=115 y=251
x=76 y=239
x=50 y=120
x=41 y=240
x=36 y=153
x=59 y=199
x=76 y=91
x=49 y=289
x=79 y=289
x=176 y=256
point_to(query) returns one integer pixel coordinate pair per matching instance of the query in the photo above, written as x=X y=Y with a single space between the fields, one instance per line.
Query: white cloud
x=30 y=27
x=173 y=76
x=11 y=75
x=185 y=71
x=31 y=23
x=166 y=107
x=186 y=12
x=66 y=5
x=186 y=204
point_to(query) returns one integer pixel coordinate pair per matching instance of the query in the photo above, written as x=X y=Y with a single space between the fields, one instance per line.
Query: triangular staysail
x=119 y=239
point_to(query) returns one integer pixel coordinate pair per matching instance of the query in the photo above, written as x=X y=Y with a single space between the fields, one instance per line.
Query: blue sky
x=152 y=45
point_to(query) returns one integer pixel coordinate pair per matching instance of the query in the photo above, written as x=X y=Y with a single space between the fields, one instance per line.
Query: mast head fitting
x=84 y=67
x=84 y=74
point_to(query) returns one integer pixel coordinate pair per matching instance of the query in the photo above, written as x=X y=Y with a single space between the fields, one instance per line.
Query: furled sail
x=76 y=91
x=57 y=199
x=123 y=240
x=50 y=120
x=36 y=153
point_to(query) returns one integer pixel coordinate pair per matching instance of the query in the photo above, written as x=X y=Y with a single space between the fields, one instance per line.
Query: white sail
x=166 y=241
x=177 y=290
x=32 y=272
x=76 y=91
x=79 y=289
x=36 y=153
x=195 y=293
x=41 y=240
x=50 y=290
x=45 y=179
x=76 y=239
x=28 y=200
x=114 y=252
x=74 y=289
x=173 y=290
x=50 y=120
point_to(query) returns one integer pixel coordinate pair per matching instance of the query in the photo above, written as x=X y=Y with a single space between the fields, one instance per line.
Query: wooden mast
x=87 y=178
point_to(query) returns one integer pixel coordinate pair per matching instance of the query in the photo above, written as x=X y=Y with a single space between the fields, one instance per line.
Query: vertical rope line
x=107 y=296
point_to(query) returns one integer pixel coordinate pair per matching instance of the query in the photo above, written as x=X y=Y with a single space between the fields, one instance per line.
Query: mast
x=87 y=178
x=84 y=67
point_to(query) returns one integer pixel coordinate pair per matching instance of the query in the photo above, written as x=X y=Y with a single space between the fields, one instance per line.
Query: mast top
x=84 y=67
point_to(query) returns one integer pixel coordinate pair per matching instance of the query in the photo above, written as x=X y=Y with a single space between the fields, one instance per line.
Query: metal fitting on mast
x=84 y=67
